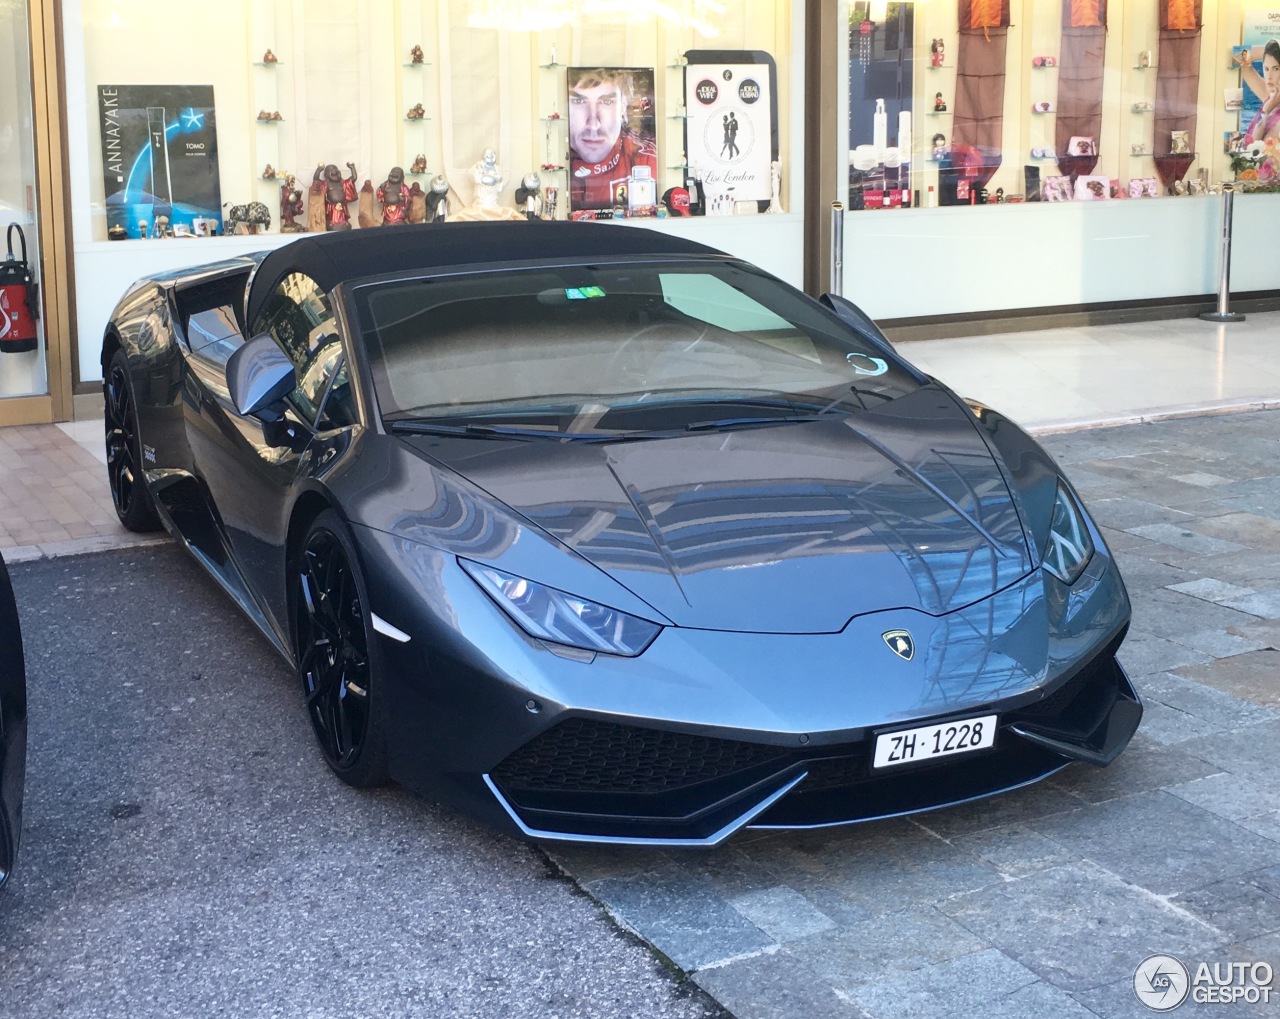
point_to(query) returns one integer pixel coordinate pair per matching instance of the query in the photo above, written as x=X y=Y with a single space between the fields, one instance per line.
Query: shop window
x=1019 y=101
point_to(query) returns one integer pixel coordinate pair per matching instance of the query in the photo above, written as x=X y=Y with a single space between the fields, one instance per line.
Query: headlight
x=1069 y=548
x=552 y=615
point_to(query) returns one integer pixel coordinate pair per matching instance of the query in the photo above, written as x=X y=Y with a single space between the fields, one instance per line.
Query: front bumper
x=708 y=732
x=587 y=779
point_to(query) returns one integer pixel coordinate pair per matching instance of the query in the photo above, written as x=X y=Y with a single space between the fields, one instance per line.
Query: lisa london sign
x=731 y=128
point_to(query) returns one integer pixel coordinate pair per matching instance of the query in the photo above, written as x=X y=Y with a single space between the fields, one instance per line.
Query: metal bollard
x=1224 y=314
x=837 y=248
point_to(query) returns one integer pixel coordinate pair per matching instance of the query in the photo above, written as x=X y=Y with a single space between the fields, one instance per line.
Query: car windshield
x=613 y=350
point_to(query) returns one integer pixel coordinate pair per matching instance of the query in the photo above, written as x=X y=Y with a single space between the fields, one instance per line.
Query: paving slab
x=1078 y=927
x=778 y=984
x=1239 y=907
x=1159 y=842
x=1253 y=676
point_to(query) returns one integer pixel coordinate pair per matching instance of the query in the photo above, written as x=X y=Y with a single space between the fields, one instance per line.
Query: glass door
x=24 y=364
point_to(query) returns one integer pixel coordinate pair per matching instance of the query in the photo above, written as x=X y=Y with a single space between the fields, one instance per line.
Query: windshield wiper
x=747 y=422
x=514 y=432
x=472 y=430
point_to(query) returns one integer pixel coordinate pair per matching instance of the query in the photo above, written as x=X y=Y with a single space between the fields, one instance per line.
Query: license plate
x=930 y=741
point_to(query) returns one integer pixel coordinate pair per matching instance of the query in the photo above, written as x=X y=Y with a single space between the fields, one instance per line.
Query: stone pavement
x=54 y=498
x=1044 y=901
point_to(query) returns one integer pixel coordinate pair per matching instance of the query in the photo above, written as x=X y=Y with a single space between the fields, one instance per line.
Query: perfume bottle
x=642 y=192
x=697 y=197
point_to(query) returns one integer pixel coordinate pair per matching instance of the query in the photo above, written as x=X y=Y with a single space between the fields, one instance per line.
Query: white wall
x=960 y=260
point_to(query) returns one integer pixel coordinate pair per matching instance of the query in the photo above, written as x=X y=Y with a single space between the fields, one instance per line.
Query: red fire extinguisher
x=19 y=299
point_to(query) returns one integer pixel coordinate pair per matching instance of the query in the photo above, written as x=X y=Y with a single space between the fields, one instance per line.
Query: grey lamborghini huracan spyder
x=602 y=534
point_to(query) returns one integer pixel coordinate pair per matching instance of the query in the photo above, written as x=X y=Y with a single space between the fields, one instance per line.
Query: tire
x=336 y=651
x=129 y=493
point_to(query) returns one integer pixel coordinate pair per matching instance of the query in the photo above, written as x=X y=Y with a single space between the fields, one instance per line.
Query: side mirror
x=856 y=319
x=259 y=374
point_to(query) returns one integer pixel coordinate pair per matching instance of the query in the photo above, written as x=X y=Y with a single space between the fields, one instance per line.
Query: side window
x=298 y=315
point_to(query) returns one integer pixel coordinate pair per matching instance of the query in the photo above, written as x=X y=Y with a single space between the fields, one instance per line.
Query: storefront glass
x=313 y=115
x=1139 y=109
x=23 y=366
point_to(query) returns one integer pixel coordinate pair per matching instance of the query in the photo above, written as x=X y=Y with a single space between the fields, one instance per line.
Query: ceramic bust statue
x=488 y=178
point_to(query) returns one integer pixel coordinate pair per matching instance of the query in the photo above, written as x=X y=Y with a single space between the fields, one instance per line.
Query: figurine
x=940 y=146
x=250 y=218
x=161 y=227
x=1144 y=58
x=269 y=173
x=365 y=214
x=328 y=185
x=1180 y=142
x=415 y=55
x=939 y=104
x=419 y=166
x=265 y=116
x=775 y=186
x=937 y=51
x=488 y=177
x=416 y=112
x=528 y=200
x=550 y=202
x=438 y=199
x=291 y=206
x=268 y=57
x=417 y=204
x=394 y=198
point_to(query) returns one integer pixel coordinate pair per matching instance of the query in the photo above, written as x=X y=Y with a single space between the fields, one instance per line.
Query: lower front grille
x=585 y=756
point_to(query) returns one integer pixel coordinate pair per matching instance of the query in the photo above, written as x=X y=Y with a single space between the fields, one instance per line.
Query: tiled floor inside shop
x=53 y=487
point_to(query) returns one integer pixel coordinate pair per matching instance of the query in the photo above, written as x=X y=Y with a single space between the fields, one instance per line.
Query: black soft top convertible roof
x=332 y=258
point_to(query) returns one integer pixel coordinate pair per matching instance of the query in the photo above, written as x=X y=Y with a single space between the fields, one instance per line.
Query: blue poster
x=159 y=156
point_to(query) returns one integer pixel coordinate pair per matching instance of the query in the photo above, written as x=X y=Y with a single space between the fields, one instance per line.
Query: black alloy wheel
x=129 y=492
x=334 y=642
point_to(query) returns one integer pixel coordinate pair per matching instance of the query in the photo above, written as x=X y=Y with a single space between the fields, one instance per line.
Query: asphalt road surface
x=187 y=853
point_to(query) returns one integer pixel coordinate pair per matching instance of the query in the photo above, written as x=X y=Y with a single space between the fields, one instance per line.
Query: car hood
x=792 y=528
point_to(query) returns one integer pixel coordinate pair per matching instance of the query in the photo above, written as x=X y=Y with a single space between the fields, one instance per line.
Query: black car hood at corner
x=793 y=528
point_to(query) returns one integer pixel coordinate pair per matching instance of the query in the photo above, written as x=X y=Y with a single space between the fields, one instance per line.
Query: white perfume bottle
x=880 y=130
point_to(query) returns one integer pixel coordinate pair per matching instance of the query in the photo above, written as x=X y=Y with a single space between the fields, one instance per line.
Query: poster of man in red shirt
x=611 y=138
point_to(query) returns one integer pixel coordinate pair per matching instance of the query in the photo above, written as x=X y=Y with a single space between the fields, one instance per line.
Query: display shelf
x=420 y=64
x=940 y=67
x=416 y=120
x=272 y=121
x=552 y=120
x=1141 y=109
x=552 y=66
x=1144 y=67
x=937 y=113
x=677 y=116
x=267 y=63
